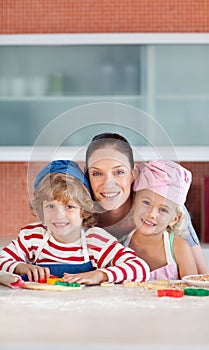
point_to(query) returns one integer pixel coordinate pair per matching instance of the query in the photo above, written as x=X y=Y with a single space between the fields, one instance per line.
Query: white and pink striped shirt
x=105 y=253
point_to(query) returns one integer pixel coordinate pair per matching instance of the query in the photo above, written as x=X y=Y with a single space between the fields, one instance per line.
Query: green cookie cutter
x=197 y=292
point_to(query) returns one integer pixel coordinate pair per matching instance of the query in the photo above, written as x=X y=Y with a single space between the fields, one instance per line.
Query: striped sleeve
x=21 y=250
x=119 y=263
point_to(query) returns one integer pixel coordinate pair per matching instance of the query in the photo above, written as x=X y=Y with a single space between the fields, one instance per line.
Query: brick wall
x=103 y=16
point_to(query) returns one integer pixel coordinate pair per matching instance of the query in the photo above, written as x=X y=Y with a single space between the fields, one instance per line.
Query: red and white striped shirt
x=105 y=253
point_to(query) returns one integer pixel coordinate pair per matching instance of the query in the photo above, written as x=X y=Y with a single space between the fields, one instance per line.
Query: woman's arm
x=192 y=238
x=184 y=257
x=202 y=266
x=193 y=241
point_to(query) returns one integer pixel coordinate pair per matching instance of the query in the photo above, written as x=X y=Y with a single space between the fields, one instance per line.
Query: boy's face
x=153 y=213
x=63 y=221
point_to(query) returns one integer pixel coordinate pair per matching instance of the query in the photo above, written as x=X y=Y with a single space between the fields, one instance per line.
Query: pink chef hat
x=166 y=178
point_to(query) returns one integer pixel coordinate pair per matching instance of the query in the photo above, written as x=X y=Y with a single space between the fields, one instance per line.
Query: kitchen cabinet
x=43 y=77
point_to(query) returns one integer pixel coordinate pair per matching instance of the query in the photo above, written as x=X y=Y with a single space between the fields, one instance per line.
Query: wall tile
x=103 y=16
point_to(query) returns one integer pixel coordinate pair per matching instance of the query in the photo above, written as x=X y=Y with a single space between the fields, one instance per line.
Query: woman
x=112 y=171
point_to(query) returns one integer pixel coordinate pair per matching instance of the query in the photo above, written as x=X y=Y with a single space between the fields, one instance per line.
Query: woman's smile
x=110 y=194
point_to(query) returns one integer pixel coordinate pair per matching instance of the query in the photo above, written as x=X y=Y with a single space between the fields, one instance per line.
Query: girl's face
x=110 y=176
x=63 y=221
x=153 y=213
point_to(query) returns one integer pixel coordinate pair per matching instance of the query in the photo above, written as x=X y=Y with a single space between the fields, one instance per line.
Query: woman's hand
x=91 y=277
x=34 y=273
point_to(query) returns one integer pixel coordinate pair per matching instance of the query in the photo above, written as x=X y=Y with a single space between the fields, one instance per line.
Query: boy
x=65 y=243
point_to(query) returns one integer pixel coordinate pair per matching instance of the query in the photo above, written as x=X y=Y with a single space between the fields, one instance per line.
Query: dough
x=131 y=284
x=53 y=287
x=156 y=285
x=107 y=284
x=162 y=284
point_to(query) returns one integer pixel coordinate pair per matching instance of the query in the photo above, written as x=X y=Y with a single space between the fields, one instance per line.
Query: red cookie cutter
x=173 y=293
x=17 y=284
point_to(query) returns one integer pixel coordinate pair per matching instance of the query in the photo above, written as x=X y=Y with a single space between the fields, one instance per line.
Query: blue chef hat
x=62 y=166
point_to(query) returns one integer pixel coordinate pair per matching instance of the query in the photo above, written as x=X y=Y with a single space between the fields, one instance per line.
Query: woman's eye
x=96 y=173
x=120 y=172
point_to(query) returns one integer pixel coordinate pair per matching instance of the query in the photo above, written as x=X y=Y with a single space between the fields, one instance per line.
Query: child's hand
x=91 y=277
x=34 y=273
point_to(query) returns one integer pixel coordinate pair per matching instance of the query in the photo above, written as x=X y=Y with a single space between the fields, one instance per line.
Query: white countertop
x=93 y=318
x=45 y=153
x=113 y=318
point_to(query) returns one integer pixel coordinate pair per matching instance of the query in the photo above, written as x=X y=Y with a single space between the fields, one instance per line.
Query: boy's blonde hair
x=64 y=188
x=180 y=228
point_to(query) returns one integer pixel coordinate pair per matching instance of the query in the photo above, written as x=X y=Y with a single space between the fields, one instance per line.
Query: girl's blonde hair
x=64 y=188
x=180 y=228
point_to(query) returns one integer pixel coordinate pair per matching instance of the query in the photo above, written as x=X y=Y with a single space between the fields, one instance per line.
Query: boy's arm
x=113 y=262
x=120 y=264
x=9 y=258
x=18 y=258
x=14 y=253
x=90 y=277
x=184 y=257
x=113 y=259
x=124 y=265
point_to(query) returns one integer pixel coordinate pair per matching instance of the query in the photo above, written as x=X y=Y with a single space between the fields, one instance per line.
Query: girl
x=162 y=188
x=111 y=171
x=62 y=242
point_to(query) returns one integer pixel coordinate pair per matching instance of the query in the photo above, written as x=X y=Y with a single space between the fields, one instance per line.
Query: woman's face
x=110 y=176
